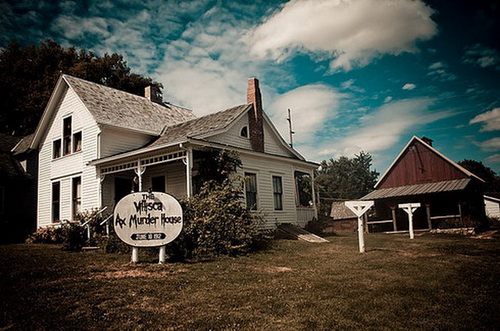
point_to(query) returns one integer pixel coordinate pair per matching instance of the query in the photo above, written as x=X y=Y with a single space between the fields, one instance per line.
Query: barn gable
x=420 y=163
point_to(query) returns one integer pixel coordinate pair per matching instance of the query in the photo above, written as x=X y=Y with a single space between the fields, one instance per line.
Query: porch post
x=428 y=213
x=314 y=195
x=139 y=172
x=460 y=210
x=189 y=177
x=393 y=213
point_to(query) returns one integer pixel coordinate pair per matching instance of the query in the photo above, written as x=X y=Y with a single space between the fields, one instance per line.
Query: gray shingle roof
x=126 y=110
x=203 y=125
x=418 y=189
x=341 y=212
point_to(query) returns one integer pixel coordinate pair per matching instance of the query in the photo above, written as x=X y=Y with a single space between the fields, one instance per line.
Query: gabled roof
x=113 y=107
x=432 y=149
x=206 y=125
x=122 y=109
x=418 y=189
x=23 y=145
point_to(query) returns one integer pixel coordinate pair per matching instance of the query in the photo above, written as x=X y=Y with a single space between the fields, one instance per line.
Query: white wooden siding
x=492 y=208
x=272 y=143
x=265 y=169
x=232 y=136
x=66 y=167
x=114 y=141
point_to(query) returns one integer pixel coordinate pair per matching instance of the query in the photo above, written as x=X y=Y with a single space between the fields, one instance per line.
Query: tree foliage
x=492 y=180
x=346 y=178
x=29 y=74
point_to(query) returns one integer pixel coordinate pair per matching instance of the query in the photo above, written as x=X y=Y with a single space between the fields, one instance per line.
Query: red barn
x=450 y=195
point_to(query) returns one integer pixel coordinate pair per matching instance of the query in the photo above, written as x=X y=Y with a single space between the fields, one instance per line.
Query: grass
x=433 y=282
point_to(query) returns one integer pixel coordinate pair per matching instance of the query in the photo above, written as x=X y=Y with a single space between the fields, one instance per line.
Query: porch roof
x=418 y=189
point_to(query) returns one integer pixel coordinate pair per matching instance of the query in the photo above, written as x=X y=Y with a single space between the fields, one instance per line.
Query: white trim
x=487 y=197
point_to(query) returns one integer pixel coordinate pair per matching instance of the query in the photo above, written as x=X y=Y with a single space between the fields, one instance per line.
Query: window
x=67 y=136
x=56 y=149
x=277 y=193
x=77 y=195
x=303 y=189
x=244 y=132
x=251 y=190
x=56 y=195
x=158 y=184
x=77 y=142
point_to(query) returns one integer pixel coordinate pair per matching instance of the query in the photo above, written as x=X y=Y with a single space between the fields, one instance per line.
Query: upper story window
x=67 y=135
x=77 y=141
x=244 y=132
x=56 y=149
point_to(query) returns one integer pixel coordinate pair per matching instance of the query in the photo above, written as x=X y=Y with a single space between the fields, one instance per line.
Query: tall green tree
x=492 y=180
x=28 y=75
x=346 y=178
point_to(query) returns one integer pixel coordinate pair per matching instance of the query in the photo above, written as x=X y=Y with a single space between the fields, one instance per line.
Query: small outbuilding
x=492 y=206
x=343 y=219
x=450 y=195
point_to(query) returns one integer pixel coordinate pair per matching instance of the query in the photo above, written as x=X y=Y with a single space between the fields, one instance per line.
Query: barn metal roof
x=418 y=189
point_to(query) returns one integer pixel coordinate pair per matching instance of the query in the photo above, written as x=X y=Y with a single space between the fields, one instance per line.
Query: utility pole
x=289 y=119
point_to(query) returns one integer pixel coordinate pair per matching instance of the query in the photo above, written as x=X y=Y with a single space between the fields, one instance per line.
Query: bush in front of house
x=70 y=234
x=216 y=223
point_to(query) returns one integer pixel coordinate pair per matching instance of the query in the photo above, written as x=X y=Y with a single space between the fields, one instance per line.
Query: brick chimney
x=428 y=141
x=255 y=117
x=152 y=94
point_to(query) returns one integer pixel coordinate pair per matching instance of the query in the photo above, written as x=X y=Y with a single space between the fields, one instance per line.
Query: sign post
x=409 y=208
x=359 y=208
x=148 y=219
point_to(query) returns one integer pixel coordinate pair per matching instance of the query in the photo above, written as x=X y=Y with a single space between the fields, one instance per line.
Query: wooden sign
x=148 y=219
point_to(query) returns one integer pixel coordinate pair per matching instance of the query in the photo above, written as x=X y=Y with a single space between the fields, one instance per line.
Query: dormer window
x=244 y=132
x=67 y=136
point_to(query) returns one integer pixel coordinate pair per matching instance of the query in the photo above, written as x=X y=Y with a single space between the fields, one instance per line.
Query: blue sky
x=357 y=74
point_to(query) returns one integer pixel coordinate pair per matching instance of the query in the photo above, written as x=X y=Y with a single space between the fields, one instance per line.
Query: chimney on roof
x=428 y=141
x=255 y=118
x=152 y=93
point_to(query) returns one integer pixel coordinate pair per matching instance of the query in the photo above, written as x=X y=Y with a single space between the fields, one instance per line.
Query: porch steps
x=297 y=233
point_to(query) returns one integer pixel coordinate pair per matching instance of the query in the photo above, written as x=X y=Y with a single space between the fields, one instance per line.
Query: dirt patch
x=493 y=234
x=272 y=269
x=135 y=273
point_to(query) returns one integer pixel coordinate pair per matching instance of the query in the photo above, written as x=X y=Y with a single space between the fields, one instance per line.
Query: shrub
x=74 y=236
x=215 y=223
x=47 y=235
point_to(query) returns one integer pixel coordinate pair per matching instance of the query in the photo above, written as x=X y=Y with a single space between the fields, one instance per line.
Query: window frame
x=67 y=145
x=277 y=192
x=76 y=195
x=56 y=203
x=244 y=129
x=56 y=150
x=77 y=144
x=254 y=193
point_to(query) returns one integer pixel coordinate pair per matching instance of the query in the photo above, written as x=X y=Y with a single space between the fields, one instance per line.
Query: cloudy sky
x=357 y=74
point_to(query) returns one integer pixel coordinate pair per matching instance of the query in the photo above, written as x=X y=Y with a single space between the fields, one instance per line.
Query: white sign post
x=359 y=208
x=409 y=208
x=148 y=220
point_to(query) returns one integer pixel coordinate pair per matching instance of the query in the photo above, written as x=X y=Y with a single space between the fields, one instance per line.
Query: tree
x=487 y=174
x=28 y=76
x=346 y=178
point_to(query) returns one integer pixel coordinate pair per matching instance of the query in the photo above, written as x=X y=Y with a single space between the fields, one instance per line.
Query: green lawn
x=439 y=282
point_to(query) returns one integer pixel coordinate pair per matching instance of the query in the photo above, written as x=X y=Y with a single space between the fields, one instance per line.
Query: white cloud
x=491 y=145
x=385 y=126
x=388 y=99
x=436 y=65
x=493 y=159
x=482 y=56
x=351 y=33
x=311 y=106
x=490 y=120
x=439 y=71
x=409 y=86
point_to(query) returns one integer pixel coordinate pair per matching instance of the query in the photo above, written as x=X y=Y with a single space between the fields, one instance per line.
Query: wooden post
x=428 y=213
x=163 y=250
x=361 y=236
x=409 y=208
x=460 y=211
x=189 y=179
x=365 y=223
x=135 y=254
x=393 y=213
x=359 y=208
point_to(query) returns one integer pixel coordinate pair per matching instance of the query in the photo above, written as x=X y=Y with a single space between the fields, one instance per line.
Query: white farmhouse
x=96 y=144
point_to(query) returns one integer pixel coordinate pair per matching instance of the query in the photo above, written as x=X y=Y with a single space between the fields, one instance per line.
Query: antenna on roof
x=289 y=119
